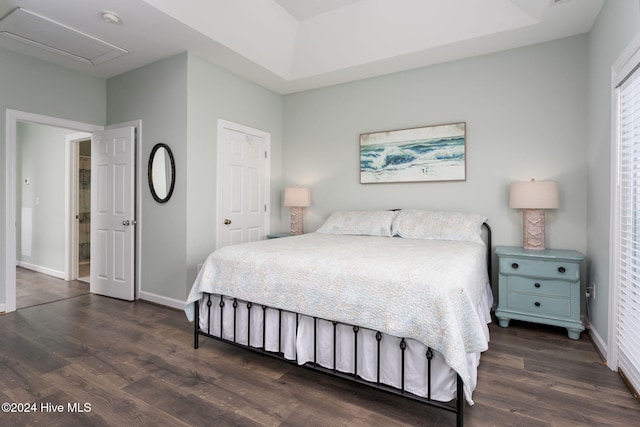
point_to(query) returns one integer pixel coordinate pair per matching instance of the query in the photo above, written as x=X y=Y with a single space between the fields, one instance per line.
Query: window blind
x=628 y=250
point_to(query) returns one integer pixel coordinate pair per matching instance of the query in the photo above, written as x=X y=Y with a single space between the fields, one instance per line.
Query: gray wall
x=179 y=101
x=542 y=111
x=215 y=93
x=156 y=94
x=40 y=157
x=35 y=86
x=617 y=24
x=525 y=111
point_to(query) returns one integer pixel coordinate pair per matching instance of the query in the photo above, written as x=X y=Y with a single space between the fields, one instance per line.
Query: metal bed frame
x=208 y=300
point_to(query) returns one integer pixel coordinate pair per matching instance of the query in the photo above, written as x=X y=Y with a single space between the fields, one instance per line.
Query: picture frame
x=422 y=154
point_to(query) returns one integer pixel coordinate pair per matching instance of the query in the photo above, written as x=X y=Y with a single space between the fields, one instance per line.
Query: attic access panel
x=37 y=30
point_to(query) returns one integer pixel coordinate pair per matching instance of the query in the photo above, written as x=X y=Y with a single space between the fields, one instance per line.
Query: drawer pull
x=515 y=265
x=537 y=304
x=537 y=285
x=562 y=269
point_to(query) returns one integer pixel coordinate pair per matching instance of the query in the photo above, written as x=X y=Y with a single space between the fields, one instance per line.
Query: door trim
x=11 y=121
x=225 y=124
x=620 y=70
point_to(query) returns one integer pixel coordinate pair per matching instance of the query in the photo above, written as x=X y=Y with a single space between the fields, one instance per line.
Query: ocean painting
x=432 y=153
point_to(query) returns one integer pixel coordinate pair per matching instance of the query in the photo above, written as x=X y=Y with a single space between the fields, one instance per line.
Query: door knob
x=227 y=221
x=125 y=223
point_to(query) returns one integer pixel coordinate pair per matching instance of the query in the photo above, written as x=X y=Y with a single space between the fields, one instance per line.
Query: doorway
x=13 y=117
x=51 y=183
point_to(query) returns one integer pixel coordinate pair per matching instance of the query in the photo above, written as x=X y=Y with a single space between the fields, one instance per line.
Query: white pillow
x=361 y=223
x=418 y=224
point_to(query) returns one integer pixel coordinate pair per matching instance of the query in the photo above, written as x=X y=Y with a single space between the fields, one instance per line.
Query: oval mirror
x=162 y=173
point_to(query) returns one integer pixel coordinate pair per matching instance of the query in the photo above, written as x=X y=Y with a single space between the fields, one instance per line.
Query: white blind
x=628 y=256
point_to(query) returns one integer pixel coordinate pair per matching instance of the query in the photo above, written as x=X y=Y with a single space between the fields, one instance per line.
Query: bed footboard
x=204 y=307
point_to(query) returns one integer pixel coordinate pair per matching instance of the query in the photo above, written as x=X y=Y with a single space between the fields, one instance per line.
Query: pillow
x=418 y=224
x=361 y=223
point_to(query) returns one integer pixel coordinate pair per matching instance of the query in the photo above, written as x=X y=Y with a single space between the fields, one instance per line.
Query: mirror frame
x=150 y=173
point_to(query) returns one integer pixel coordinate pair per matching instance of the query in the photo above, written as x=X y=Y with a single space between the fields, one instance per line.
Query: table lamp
x=534 y=197
x=297 y=198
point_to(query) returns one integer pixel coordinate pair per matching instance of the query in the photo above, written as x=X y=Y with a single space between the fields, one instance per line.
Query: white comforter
x=427 y=290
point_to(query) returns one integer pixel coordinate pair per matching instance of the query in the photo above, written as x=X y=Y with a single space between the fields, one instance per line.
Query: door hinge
x=265 y=154
x=265 y=208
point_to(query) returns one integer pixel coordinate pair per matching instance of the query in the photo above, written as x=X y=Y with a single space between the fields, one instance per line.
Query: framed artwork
x=430 y=153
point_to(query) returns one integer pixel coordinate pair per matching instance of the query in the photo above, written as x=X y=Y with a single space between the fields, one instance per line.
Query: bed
x=399 y=300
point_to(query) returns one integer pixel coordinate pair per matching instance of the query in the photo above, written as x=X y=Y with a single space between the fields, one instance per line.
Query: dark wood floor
x=134 y=364
x=34 y=288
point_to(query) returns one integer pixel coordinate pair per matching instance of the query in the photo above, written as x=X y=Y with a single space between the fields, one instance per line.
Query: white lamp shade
x=297 y=197
x=534 y=195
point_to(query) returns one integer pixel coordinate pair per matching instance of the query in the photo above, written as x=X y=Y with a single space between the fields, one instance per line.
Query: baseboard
x=600 y=344
x=39 y=269
x=162 y=300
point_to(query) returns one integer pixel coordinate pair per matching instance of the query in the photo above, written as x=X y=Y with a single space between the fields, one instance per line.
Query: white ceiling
x=293 y=45
x=305 y=9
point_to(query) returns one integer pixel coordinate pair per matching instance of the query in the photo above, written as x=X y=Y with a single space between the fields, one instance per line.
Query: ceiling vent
x=37 y=30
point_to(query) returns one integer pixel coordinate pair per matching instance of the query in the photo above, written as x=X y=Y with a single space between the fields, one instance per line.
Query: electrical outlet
x=591 y=291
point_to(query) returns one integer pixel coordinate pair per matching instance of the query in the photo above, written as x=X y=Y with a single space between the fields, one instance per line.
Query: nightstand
x=279 y=235
x=540 y=286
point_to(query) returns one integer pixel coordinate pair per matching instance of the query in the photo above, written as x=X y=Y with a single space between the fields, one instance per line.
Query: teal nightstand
x=540 y=286
x=279 y=235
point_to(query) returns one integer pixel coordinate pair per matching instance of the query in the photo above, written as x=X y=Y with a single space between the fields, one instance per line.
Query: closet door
x=243 y=179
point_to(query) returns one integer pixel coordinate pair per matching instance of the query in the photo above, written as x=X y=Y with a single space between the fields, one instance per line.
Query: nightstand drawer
x=555 y=288
x=539 y=304
x=539 y=268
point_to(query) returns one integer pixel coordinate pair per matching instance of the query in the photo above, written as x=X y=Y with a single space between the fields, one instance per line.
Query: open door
x=113 y=213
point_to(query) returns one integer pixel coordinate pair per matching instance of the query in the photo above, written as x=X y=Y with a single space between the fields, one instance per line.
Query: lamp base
x=533 y=229
x=296 y=220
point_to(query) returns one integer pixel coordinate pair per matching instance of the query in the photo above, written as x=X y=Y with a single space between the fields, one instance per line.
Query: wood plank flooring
x=33 y=288
x=134 y=364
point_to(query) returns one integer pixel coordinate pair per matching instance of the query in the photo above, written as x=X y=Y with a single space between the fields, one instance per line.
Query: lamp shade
x=297 y=197
x=534 y=195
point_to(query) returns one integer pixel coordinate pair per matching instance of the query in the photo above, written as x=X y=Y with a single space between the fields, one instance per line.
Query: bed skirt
x=407 y=367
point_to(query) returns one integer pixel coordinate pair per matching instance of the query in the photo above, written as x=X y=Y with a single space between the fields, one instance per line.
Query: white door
x=113 y=213
x=243 y=214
